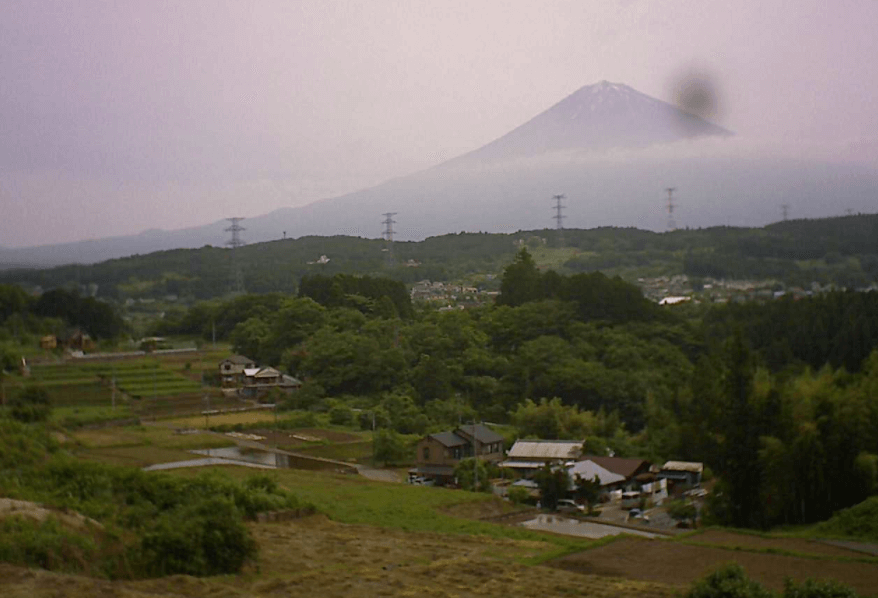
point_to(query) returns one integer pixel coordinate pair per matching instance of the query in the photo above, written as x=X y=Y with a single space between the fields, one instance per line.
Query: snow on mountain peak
x=596 y=117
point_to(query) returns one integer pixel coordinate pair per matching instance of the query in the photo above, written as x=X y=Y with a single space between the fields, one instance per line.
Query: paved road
x=864 y=547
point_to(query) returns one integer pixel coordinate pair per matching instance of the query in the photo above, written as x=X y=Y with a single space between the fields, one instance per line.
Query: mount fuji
x=609 y=148
x=597 y=117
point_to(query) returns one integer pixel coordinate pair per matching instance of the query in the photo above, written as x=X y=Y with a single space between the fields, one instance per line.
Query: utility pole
x=235 y=242
x=475 y=460
x=670 y=207
x=388 y=236
x=113 y=398
x=559 y=218
x=155 y=398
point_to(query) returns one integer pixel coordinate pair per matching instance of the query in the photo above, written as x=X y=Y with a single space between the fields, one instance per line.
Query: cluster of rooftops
x=439 y=453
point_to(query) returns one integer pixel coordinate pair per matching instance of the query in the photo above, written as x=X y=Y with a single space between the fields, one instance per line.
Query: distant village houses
x=251 y=381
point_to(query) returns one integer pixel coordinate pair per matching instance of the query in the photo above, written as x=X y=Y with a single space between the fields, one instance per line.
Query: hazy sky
x=116 y=117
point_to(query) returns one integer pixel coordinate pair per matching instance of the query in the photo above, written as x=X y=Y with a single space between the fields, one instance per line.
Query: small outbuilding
x=687 y=473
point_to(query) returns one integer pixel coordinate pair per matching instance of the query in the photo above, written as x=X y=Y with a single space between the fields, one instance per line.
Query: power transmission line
x=235 y=242
x=559 y=217
x=670 y=205
x=388 y=236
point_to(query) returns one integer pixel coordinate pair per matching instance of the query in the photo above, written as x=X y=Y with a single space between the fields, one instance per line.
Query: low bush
x=207 y=537
x=730 y=581
x=47 y=545
x=32 y=404
x=170 y=524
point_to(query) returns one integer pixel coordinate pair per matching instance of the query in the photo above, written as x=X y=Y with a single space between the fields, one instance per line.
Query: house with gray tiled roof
x=438 y=454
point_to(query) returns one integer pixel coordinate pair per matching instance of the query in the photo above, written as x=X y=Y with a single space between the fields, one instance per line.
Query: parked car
x=565 y=505
x=638 y=514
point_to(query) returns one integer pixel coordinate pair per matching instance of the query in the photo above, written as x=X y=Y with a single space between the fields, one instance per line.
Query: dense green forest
x=778 y=398
x=841 y=251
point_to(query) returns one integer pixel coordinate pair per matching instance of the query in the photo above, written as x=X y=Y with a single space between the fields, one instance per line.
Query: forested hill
x=842 y=251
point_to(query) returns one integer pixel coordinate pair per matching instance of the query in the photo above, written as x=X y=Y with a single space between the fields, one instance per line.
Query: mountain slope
x=610 y=149
x=597 y=117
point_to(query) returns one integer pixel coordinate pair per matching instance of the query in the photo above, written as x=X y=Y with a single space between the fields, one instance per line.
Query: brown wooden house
x=439 y=453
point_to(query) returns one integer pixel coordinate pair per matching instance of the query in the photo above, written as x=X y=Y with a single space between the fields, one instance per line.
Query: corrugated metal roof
x=691 y=466
x=521 y=464
x=588 y=469
x=546 y=449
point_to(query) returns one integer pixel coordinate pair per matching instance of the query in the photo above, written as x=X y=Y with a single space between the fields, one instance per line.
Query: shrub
x=681 y=510
x=341 y=415
x=46 y=544
x=464 y=472
x=728 y=582
x=518 y=495
x=817 y=589
x=391 y=447
x=207 y=538
x=33 y=404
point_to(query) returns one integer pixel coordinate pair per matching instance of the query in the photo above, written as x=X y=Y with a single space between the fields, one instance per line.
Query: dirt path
x=379 y=475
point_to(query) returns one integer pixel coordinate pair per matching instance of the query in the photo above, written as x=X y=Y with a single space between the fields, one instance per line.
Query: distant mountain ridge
x=844 y=250
x=609 y=148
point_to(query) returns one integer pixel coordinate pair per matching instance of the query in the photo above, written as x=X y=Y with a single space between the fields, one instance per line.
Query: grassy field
x=231 y=419
x=552 y=258
x=353 y=499
x=73 y=417
x=151 y=386
x=384 y=539
x=318 y=557
x=765 y=558
x=139 y=446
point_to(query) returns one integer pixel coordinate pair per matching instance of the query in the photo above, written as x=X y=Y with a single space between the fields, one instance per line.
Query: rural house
x=687 y=473
x=526 y=456
x=438 y=454
x=635 y=472
x=232 y=368
x=78 y=340
x=588 y=470
x=258 y=381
